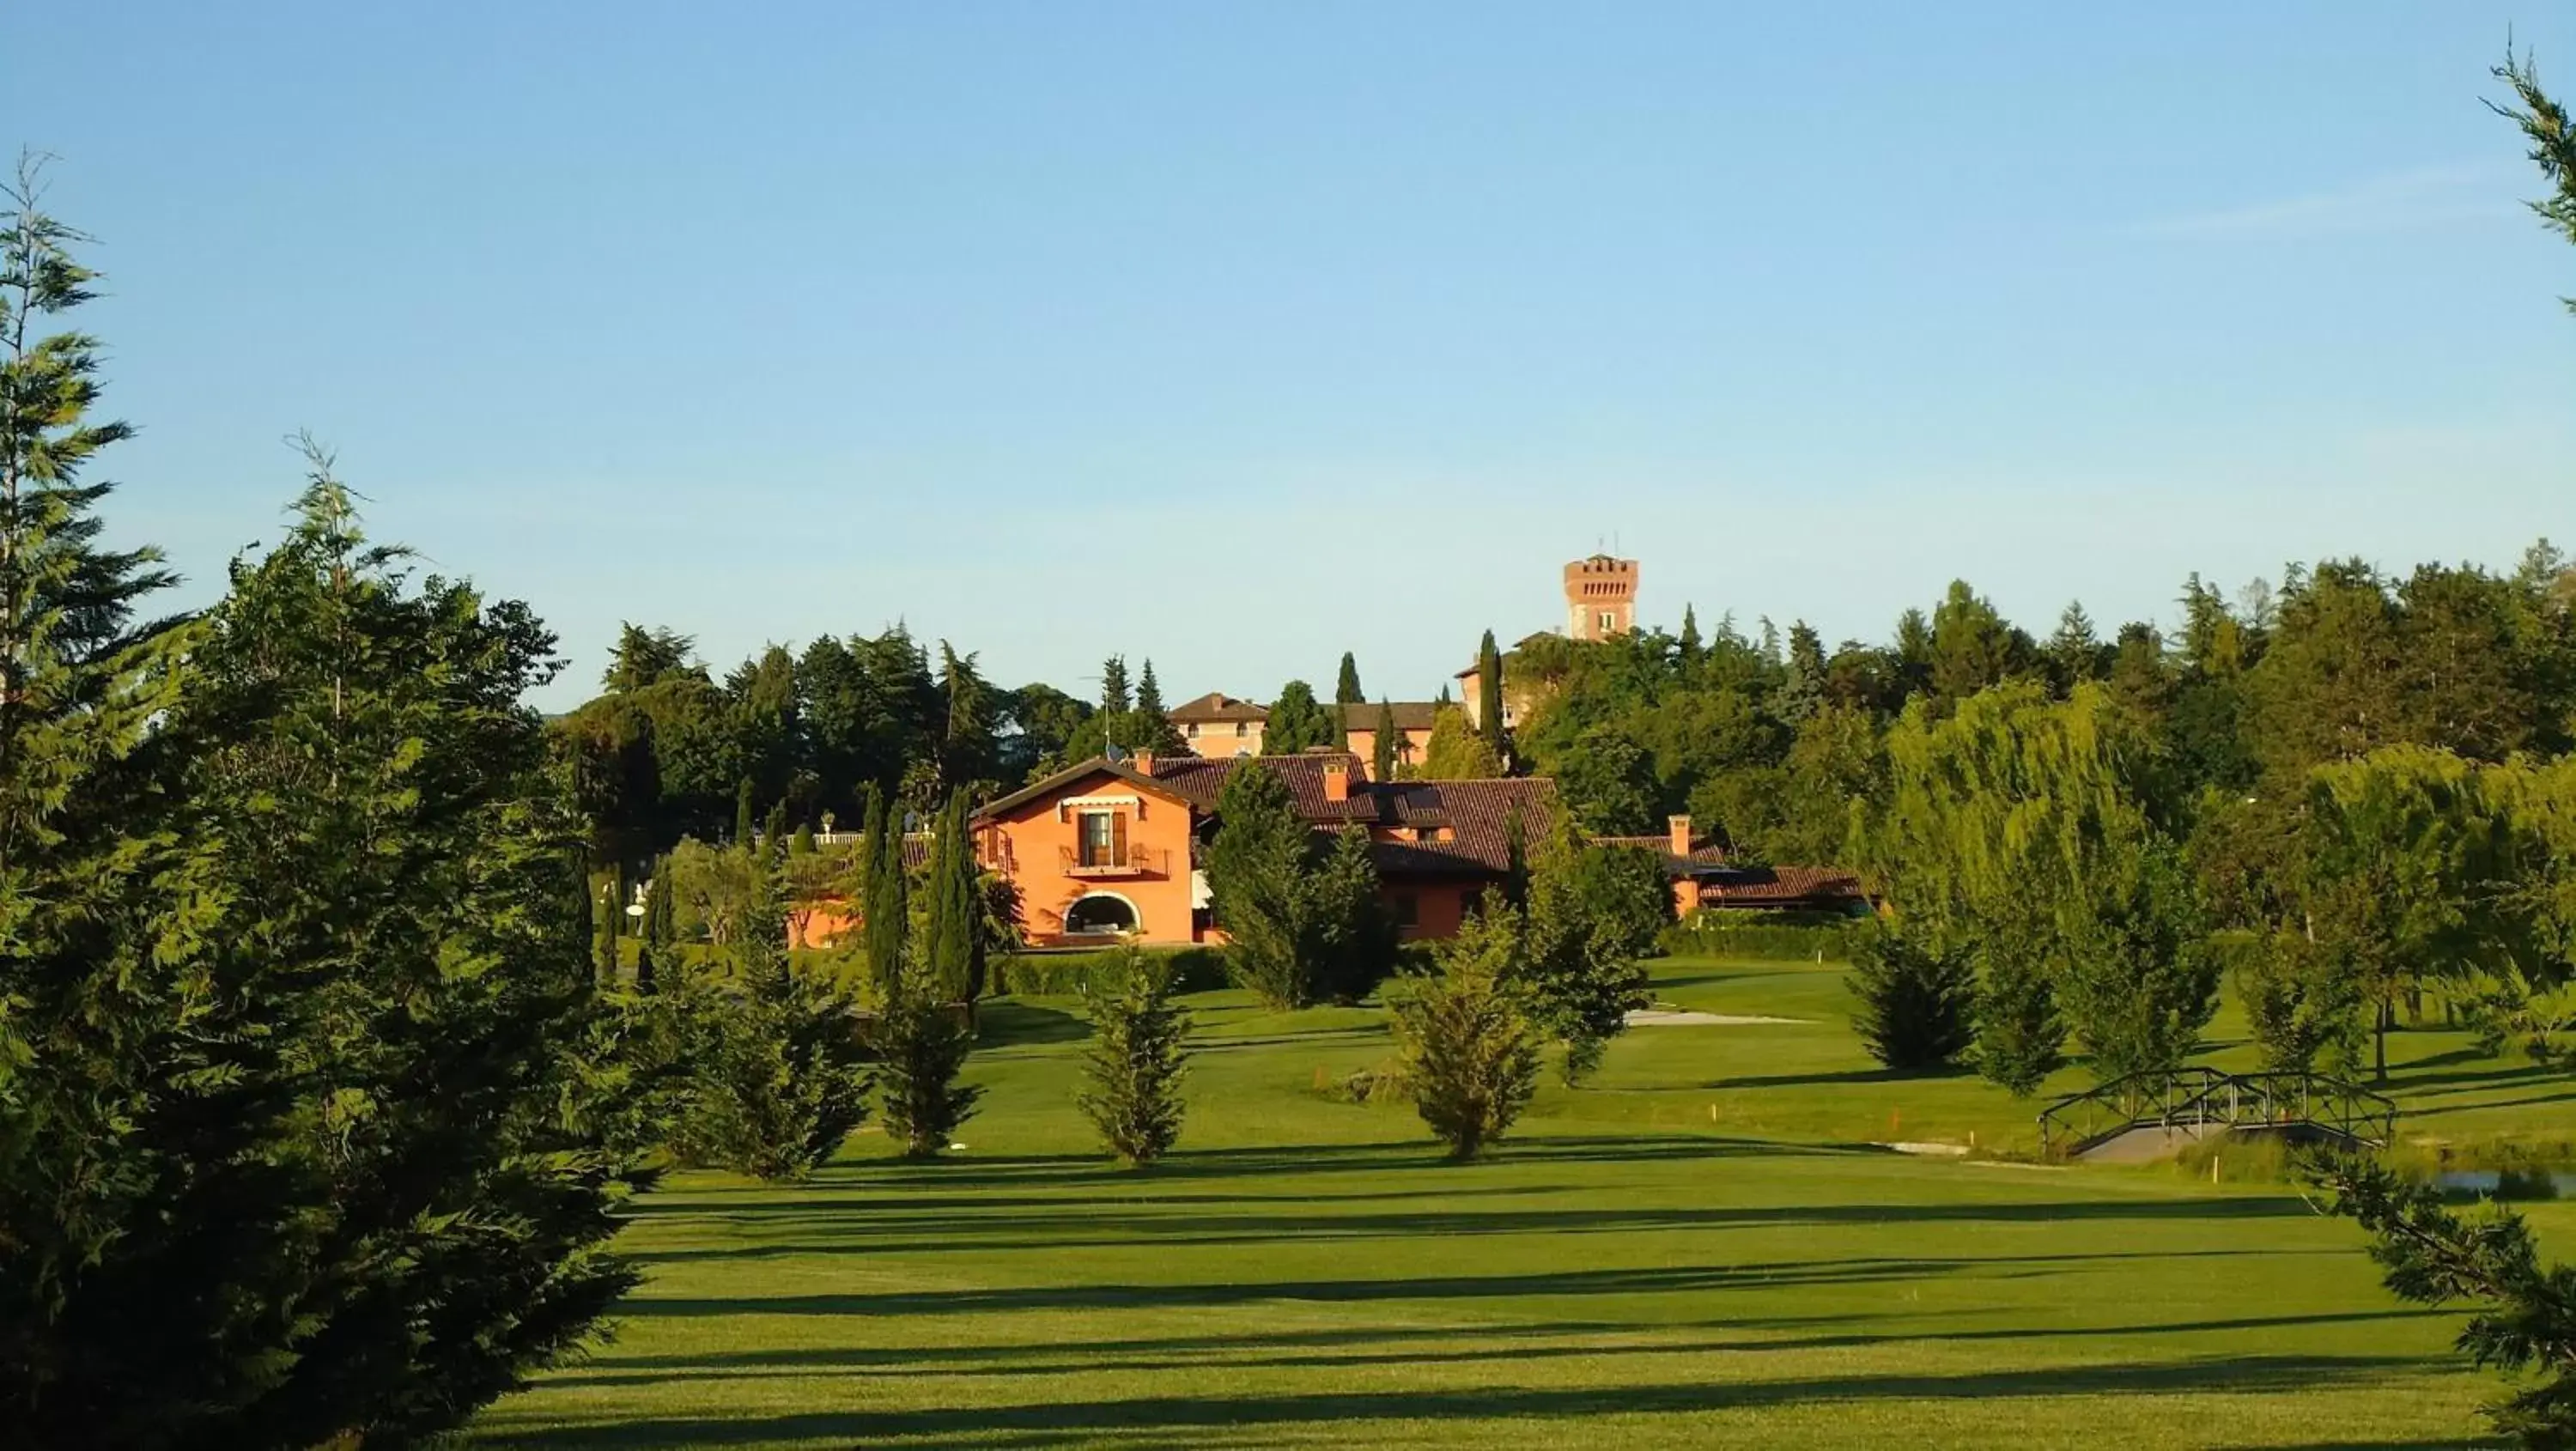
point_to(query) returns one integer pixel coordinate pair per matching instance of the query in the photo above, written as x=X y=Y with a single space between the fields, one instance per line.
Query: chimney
x=1337 y=778
x=1143 y=762
x=1679 y=827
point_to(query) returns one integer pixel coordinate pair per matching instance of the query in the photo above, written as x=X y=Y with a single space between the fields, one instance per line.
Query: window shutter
x=1118 y=839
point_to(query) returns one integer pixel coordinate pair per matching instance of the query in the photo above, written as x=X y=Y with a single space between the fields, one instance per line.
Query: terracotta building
x=1411 y=722
x=1219 y=725
x=1115 y=850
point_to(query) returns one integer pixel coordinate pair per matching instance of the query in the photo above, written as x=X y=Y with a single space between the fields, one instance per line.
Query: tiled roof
x=1769 y=886
x=1410 y=715
x=1216 y=705
x=1477 y=813
x=1198 y=780
x=1705 y=853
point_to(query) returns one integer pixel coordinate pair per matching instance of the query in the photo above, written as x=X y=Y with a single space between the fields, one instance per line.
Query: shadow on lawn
x=1678 y=1279
x=1143 y=1417
x=1384 y=1348
x=879 y=1232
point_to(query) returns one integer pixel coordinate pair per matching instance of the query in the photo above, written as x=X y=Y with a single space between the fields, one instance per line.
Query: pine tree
x=1346 y=688
x=1581 y=948
x=1802 y=686
x=1255 y=867
x=2075 y=653
x=921 y=1046
x=1132 y=1073
x=1690 y=647
x=1114 y=699
x=120 y=1157
x=1917 y=1004
x=1383 y=746
x=1489 y=695
x=776 y=1078
x=410 y=989
x=1470 y=1054
x=2523 y=1316
x=1153 y=728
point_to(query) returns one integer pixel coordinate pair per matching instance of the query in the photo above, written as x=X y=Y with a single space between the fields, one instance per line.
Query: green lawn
x=1701 y=1249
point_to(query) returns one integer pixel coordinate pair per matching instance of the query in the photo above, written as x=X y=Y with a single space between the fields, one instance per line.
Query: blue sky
x=1236 y=336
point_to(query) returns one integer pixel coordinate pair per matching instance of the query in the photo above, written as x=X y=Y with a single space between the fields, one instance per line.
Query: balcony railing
x=1135 y=861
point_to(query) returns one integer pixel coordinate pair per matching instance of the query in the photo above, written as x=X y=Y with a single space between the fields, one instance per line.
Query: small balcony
x=1104 y=863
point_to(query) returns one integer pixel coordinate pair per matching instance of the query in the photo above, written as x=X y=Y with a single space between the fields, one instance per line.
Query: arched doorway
x=1102 y=914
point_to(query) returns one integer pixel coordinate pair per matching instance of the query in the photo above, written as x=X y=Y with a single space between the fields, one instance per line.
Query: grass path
x=1307 y=1274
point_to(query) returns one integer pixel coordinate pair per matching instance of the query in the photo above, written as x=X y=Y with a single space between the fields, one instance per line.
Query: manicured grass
x=1699 y=1250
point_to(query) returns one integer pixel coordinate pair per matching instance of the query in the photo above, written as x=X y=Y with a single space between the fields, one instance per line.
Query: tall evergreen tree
x=120 y=1156
x=1153 y=729
x=1489 y=695
x=1382 y=763
x=1690 y=648
x=604 y=934
x=742 y=818
x=954 y=930
x=885 y=916
x=1114 y=697
x=2546 y=124
x=1132 y=1073
x=1346 y=688
x=1470 y=1051
x=414 y=991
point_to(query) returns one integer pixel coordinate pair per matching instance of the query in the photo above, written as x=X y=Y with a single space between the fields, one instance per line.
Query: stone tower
x=1600 y=597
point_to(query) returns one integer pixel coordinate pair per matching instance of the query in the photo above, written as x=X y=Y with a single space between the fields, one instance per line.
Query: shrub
x=773 y=1079
x=1469 y=1052
x=1099 y=974
x=1782 y=936
x=1133 y=1071
x=1917 y=1003
x=921 y=1047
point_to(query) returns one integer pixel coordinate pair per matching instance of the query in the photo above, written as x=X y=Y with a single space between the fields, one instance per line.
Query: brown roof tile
x=1773 y=886
x=1216 y=705
x=1410 y=715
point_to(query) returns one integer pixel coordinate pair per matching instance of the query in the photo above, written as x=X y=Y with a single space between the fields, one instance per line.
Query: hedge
x=1082 y=970
x=1777 y=935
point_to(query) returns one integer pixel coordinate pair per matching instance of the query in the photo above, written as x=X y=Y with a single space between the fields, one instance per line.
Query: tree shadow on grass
x=1007 y=1024
x=1387 y=1347
x=881 y=1233
x=1846 y=1076
x=1768 y=1275
x=1096 y=1421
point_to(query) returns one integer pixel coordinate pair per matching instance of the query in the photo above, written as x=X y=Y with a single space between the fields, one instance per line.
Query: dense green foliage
x=1587 y=917
x=1138 y=1056
x=298 y=1099
x=1470 y=1051
x=1297 y=722
x=1457 y=750
x=1916 y=1003
x=1300 y=908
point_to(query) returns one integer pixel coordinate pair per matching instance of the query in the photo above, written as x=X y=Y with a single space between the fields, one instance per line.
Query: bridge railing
x=2198 y=1098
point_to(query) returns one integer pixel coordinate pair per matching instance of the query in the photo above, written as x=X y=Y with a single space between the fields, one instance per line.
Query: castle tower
x=1600 y=597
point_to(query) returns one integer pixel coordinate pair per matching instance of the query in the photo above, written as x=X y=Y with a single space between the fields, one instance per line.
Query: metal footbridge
x=2149 y=1115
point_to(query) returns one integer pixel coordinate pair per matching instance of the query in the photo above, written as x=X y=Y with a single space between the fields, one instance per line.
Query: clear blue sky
x=1237 y=335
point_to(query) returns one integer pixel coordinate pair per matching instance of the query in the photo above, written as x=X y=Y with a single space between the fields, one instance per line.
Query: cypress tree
x=1153 y=727
x=604 y=933
x=1382 y=766
x=949 y=954
x=742 y=814
x=773 y=831
x=1489 y=694
x=885 y=914
x=1346 y=690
